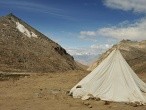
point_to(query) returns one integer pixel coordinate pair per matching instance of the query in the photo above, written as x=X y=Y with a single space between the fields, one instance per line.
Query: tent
x=112 y=80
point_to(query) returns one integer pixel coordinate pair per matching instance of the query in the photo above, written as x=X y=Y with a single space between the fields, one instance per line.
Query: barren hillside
x=23 y=48
x=134 y=53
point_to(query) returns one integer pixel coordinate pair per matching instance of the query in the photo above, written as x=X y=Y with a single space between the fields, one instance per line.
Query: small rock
x=86 y=103
x=97 y=99
x=79 y=86
x=91 y=97
x=26 y=77
x=46 y=98
x=59 y=89
x=67 y=92
x=39 y=95
x=133 y=104
x=127 y=103
x=70 y=94
x=90 y=106
x=138 y=103
x=106 y=102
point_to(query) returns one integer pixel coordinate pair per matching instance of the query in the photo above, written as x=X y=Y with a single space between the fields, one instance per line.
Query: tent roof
x=112 y=80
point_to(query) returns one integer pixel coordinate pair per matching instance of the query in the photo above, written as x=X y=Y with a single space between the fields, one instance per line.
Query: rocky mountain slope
x=23 y=48
x=134 y=53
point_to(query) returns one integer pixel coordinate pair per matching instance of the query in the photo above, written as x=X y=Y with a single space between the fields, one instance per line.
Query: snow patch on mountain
x=25 y=31
x=33 y=34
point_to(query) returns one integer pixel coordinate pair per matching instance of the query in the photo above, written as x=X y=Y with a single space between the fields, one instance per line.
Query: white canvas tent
x=112 y=80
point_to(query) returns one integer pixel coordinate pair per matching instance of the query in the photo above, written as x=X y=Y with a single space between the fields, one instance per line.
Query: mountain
x=23 y=48
x=85 y=59
x=81 y=65
x=134 y=53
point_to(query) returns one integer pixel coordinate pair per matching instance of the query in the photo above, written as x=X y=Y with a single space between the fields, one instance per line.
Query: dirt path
x=48 y=92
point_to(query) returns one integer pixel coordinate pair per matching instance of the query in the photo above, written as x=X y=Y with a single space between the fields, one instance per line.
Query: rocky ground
x=49 y=92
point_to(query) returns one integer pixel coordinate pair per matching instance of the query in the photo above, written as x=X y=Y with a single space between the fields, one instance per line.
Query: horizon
x=84 y=28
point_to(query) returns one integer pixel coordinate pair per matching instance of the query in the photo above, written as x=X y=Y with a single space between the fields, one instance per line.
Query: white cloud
x=88 y=54
x=94 y=49
x=90 y=33
x=134 y=5
x=101 y=46
x=135 y=31
x=124 y=30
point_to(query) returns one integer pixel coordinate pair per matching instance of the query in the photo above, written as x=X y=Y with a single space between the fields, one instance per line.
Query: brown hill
x=84 y=67
x=23 y=48
x=133 y=52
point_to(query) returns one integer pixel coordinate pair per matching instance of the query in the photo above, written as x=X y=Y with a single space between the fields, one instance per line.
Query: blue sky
x=82 y=26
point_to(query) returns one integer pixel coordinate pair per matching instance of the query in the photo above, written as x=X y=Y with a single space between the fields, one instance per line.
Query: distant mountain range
x=23 y=48
x=85 y=59
x=134 y=53
x=87 y=55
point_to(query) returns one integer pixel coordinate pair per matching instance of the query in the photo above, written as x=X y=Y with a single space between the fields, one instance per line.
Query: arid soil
x=49 y=92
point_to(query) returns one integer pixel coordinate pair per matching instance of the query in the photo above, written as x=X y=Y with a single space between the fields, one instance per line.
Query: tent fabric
x=112 y=80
